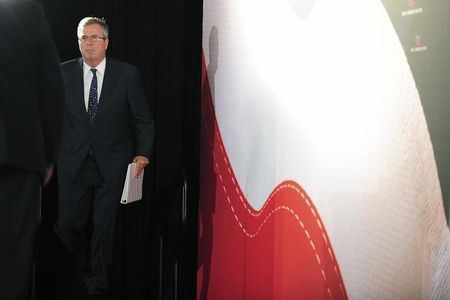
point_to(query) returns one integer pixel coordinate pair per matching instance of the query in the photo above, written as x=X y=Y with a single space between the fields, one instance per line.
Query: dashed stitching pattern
x=276 y=209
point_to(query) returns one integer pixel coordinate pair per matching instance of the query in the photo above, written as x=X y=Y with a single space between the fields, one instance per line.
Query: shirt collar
x=100 y=67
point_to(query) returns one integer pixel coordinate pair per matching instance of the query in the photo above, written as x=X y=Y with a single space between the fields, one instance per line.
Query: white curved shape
x=329 y=101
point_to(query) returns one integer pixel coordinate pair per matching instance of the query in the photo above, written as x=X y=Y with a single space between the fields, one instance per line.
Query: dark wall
x=155 y=253
x=423 y=29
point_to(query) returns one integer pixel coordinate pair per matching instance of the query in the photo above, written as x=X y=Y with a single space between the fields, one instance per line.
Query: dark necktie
x=93 y=103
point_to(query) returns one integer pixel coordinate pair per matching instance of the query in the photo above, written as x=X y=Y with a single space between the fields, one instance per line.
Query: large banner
x=318 y=174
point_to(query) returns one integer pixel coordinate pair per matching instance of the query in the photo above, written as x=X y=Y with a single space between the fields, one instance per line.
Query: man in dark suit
x=108 y=125
x=31 y=110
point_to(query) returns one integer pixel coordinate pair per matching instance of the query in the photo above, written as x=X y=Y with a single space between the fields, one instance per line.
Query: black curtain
x=156 y=239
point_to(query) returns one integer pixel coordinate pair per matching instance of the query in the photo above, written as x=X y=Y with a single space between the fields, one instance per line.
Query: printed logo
x=418 y=41
x=418 y=44
x=412 y=9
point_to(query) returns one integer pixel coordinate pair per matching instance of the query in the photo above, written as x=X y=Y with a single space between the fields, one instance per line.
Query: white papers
x=132 y=189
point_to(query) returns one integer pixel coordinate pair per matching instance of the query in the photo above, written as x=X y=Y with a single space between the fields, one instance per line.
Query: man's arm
x=143 y=121
x=51 y=89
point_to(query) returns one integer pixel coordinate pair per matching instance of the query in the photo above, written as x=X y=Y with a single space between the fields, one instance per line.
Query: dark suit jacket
x=123 y=125
x=31 y=88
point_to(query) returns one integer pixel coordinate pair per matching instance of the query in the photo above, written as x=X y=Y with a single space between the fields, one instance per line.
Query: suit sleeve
x=51 y=89
x=141 y=115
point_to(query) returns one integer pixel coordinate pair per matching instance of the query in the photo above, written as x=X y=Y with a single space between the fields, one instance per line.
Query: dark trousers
x=88 y=198
x=19 y=204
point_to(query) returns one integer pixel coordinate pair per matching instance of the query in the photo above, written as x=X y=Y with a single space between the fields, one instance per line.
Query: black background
x=155 y=251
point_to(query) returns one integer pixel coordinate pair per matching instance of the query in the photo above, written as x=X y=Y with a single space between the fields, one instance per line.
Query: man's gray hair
x=92 y=20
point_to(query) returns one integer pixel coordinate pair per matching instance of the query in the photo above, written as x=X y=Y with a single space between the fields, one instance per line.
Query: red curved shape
x=279 y=252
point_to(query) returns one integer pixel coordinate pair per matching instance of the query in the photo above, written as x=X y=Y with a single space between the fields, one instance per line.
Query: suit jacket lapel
x=109 y=80
x=79 y=87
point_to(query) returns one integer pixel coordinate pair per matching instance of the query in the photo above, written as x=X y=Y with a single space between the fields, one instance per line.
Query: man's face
x=92 y=45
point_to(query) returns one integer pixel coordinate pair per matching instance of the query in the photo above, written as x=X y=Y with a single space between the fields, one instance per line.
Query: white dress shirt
x=87 y=79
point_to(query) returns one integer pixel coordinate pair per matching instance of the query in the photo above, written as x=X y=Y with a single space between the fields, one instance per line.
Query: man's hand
x=48 y=174
x=141 y=163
